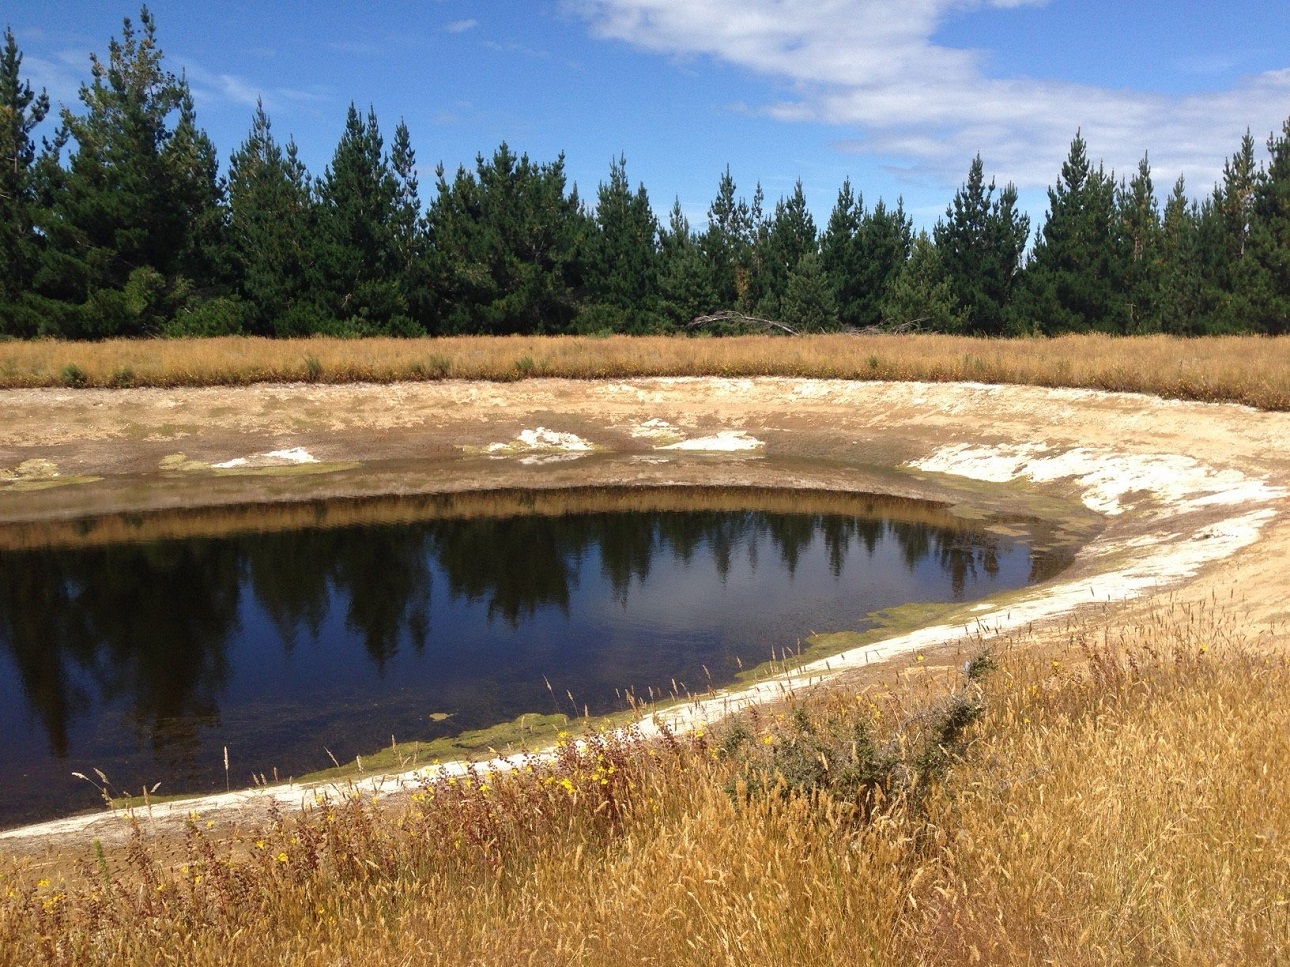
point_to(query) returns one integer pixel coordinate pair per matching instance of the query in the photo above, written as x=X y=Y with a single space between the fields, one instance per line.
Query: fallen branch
x=741 y=319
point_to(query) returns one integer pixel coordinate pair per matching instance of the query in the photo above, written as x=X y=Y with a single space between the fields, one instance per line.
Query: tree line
x=121 y=224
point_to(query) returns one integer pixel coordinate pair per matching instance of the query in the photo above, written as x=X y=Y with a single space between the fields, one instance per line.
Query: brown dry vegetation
x=1242 y=369
x=1117 y=803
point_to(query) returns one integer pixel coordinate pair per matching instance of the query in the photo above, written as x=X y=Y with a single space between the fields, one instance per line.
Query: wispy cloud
x=461 y=26
x=215 y=86
x=512 y=47
x=60 y=79
x=872 y=68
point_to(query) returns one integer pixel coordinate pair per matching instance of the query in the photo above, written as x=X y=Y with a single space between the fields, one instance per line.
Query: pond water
x=145 y=646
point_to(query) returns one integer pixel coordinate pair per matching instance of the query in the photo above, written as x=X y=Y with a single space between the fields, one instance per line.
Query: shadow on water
x=143 y=645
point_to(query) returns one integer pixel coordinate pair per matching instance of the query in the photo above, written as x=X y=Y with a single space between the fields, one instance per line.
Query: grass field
x=1240 y=369
x=1115 y=795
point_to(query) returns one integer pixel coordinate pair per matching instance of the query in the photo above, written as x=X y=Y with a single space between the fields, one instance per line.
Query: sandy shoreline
x=1192 y=498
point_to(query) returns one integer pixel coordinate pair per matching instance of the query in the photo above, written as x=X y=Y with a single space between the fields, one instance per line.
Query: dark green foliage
x=1178 y=309
x=841 y=257
x=220 y=316
x=118 y=225
x=1226 y=220
x=980 y=665
x=1141 y=242
x=727 y=246
x=1267 y=279
x=884 y=239
x=622 y=259
x=980 y=243
x=808 y=304
x=21 y=110
x=72 y=376
x=504 y=246
x=684 y=276
x=409 y=240
x=135 y=226
x=1075 y=279
x=366 y=229
x=835 y=751
x=785 y=254
x=920 y=296
x=272 y=224
x=862 y=253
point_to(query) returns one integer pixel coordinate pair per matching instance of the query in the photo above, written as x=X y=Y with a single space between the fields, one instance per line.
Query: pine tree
x=786 y=240
x=409 y=237
x=920 y=296
x=1180 y=307
x=137 y=220
x=1140 y=234
x=359 y=220
x=684 y=280
x=808 y=304
x=1268 y=278
x=273 y=224
x=622 y=258
x=883 y=241
x=980 y=245
x=1226 y=222
x=1074 y=281
x=504 y=247
x=727 y=243
x=841 y=256
x=21 y=110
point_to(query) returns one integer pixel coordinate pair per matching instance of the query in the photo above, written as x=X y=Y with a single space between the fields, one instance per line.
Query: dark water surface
x=145 y=646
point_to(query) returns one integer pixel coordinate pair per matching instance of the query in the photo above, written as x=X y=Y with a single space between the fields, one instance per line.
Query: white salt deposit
x=274 y=458
x=727 y=441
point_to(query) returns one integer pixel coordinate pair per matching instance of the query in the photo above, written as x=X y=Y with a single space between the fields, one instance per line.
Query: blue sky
x=897 y=95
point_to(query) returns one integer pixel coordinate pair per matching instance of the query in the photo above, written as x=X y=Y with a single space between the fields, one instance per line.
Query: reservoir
x=297 y=635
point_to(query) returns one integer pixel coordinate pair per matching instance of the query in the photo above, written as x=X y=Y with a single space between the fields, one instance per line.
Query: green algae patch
x=878 y=626
x=530 y=731
x=38 y=474
x=289 y=470
x=179 y=463
x=28 y=486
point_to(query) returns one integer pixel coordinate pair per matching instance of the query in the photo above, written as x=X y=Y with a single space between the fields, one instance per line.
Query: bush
x=222 y=316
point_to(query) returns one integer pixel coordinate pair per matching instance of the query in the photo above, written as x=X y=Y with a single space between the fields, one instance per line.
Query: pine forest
x=124 y=223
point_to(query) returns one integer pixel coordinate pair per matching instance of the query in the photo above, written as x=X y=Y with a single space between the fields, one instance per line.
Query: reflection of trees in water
x=386 y=578
x=382 y=572
x=34 y=614
x=149 y=625
x=965 y=556
x=514 y=565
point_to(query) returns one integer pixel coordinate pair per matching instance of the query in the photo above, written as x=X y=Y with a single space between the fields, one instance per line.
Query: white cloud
x=461 y=26
x=210 y=86
x=872 y=68
x=61 y=79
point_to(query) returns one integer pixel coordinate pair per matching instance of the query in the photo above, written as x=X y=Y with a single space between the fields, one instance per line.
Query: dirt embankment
x=1181 y=500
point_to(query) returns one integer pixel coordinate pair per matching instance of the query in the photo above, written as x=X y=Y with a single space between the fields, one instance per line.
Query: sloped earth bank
x=1169 y=501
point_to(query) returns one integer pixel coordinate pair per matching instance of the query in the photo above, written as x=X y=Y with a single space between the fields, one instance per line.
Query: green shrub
x=73 y=376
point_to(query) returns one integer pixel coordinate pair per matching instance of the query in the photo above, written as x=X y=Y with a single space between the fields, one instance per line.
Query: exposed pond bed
x=145 y=645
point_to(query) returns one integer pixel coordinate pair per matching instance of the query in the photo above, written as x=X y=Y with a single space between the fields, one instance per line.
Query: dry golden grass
x=1245 y=369
x=1118 y=805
